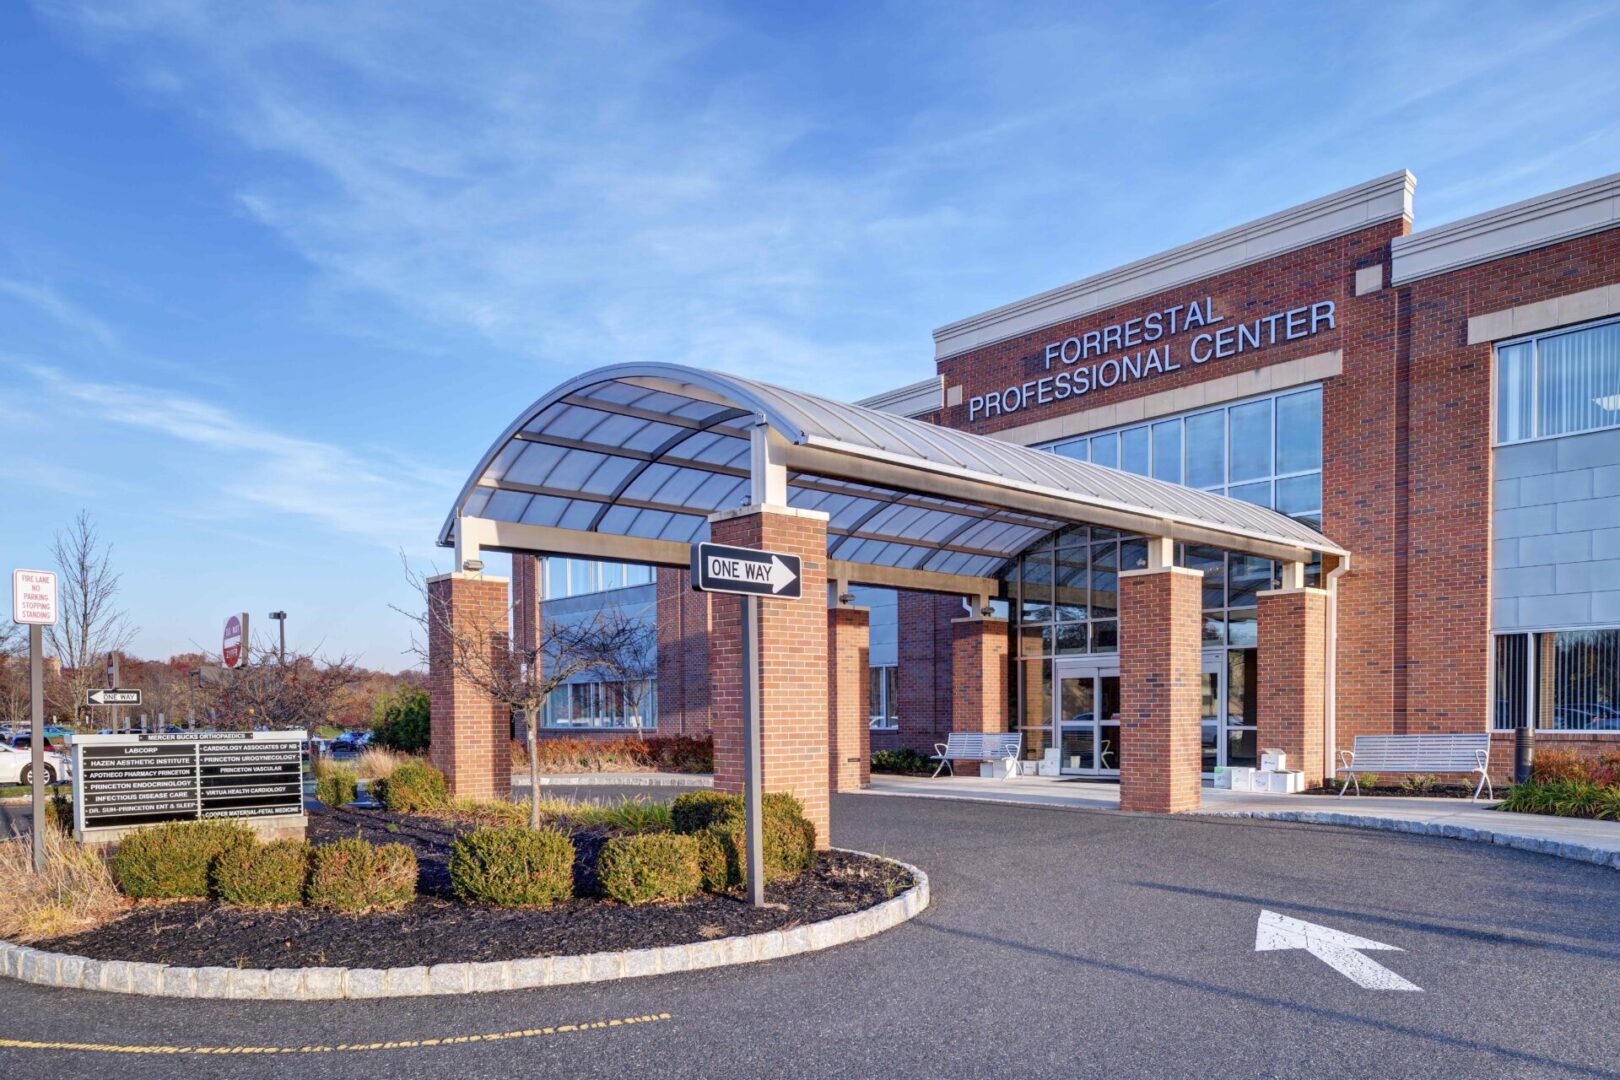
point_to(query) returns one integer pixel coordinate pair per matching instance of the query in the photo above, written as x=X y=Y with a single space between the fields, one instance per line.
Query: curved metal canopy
x=649 y=451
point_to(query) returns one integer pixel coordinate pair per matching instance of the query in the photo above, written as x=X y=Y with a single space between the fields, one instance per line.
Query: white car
x=17 y=766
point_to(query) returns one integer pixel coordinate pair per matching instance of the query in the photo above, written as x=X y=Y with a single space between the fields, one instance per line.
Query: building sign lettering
x=1146 y=346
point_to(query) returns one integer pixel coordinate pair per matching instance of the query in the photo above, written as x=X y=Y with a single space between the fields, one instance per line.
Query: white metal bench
x=977 y=746
x=1417 y=754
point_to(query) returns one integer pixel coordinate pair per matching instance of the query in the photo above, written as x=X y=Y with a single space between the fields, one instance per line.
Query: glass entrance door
x=1087 y=707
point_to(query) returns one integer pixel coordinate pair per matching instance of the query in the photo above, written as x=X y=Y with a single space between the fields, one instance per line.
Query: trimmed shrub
x=336 y=787
x=667 y=753
x=513 y=866
x=645 y=867
x=171 y=861
x=262 y=876
x=789 y=844
x=355 y=875
x=412 y=788
x=694 y=811
x=904 y=760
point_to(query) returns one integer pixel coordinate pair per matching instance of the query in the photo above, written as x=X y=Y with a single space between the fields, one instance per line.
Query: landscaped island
x=423 y=879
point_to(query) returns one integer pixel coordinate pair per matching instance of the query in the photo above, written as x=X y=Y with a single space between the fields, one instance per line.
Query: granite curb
x=1561 y=849
x=328 y=983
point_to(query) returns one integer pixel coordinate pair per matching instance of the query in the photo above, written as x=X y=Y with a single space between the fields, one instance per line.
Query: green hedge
x=1564 y=798
x=646 y=867
x=354 y=875
x=789 y=839
x=262 y=876
x=171 y=861
x=513 y=866
x=400 y=720
x=338 y=787
x=411 y=788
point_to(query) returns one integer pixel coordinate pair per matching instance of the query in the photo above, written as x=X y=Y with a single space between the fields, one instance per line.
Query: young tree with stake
x=481 y=653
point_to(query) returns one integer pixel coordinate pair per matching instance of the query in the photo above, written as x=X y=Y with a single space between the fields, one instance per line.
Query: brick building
x=1423 y=427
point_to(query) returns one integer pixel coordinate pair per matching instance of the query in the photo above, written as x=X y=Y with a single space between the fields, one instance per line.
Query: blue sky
x=273 y=275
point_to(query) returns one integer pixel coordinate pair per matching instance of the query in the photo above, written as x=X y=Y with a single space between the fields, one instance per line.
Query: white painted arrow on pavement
x=1335 y=948
x=781 y=575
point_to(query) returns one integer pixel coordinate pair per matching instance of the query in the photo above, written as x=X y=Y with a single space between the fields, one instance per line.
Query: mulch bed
x=440 y=929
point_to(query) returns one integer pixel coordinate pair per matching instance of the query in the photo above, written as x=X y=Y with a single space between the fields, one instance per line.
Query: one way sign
x=747 y=571
x=112 y=697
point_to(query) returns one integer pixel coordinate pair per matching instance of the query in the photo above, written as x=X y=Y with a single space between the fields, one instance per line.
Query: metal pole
x=36 y=743
x=752 y=796
x=282 y=623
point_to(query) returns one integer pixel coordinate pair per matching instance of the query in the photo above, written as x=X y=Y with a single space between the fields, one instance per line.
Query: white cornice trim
x=912 y=400
x=1546 y=219
x=1383 y=199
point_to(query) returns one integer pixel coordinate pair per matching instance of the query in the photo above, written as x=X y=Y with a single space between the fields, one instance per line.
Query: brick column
x=925 y=683
x=793 y=663
x=1160 y=668
x=683 y=655
x=470 y=733
x=1293 y=678
x=979 y=676
x=849 y=633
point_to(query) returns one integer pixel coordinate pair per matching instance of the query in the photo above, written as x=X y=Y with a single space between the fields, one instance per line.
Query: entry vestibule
x=634 y=463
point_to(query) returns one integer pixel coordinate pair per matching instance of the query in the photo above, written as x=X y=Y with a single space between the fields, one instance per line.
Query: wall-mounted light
x=473 y=566
x=846 y=598
x=987 y=611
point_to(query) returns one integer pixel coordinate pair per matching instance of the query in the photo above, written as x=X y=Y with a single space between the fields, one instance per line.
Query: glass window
x=579 y=577
x=1511 y=680
x=1299 y=432
x=1579 y=677
x=1105 y=450
x=1036 y=591
x=1567 y=381
x=612 y=575
x=883 y=697
x=1259 y=494
x=1070 y=585
x=1515 y=392
x=1074 y=448
x=1104 y=580
x=1167 y=451
x=1251 y=440
x=1299 y=496
x=1206 y=449
x=1133 y=451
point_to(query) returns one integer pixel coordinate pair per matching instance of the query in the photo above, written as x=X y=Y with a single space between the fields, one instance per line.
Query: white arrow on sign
x=781 y=575
x=1335 y=948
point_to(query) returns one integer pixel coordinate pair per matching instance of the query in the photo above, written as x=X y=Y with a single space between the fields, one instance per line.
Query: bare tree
x=303 y=692
x=14 y=689
x=90 y=624
x=481 y=653
x=634 y=664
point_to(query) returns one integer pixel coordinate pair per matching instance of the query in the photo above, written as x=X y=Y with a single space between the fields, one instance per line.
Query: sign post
x=33 y=604
x=749 y=574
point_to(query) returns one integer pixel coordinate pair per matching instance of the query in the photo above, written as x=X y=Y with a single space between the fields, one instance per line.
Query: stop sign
x=231 y=650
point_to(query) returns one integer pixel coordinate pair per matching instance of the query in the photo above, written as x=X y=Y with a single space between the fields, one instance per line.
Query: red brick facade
x=793 y=666
x=683 y=655
x=849 y=636
x=470 y=733
x=1293 y=646
x=1161 y=665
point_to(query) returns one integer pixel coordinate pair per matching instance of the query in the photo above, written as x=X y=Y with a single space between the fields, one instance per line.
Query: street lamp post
x=281 y=622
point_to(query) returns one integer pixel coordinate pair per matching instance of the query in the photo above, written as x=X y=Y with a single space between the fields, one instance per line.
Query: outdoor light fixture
x=846 y=598
x=473 y=566
x=987 y=611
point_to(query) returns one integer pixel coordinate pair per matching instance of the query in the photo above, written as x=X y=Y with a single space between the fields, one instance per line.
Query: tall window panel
x=1558 y=384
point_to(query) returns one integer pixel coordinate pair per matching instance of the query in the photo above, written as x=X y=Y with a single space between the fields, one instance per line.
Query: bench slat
x=1419 y=753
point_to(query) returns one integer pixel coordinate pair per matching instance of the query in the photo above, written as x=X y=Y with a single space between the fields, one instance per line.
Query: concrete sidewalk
x=1570 y=838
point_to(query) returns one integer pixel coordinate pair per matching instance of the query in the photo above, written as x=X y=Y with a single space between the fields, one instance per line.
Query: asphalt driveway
x=1060 y=943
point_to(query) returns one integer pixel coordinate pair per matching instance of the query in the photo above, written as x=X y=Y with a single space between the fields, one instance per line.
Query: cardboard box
x=1279 y=783
x=1273 y=761
x=1238 y=779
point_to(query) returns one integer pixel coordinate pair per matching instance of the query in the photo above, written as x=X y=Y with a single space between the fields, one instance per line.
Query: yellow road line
x=343 y=1048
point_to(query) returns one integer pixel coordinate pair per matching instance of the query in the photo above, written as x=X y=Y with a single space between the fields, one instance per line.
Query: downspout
x=1330 y=724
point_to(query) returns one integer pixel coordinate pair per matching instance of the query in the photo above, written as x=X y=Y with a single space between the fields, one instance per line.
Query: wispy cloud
x=377 y=497
x=49 y=302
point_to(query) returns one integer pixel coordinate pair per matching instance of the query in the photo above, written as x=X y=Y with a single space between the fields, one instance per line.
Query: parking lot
x=1059 y=943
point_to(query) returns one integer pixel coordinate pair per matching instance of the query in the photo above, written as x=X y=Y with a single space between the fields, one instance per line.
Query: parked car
x=17 y=766
x=56 y=740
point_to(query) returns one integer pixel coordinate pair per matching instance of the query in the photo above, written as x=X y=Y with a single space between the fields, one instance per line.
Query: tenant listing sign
x=33 y=597
x=748 y=571
x=233 y=645
x=125 y=780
